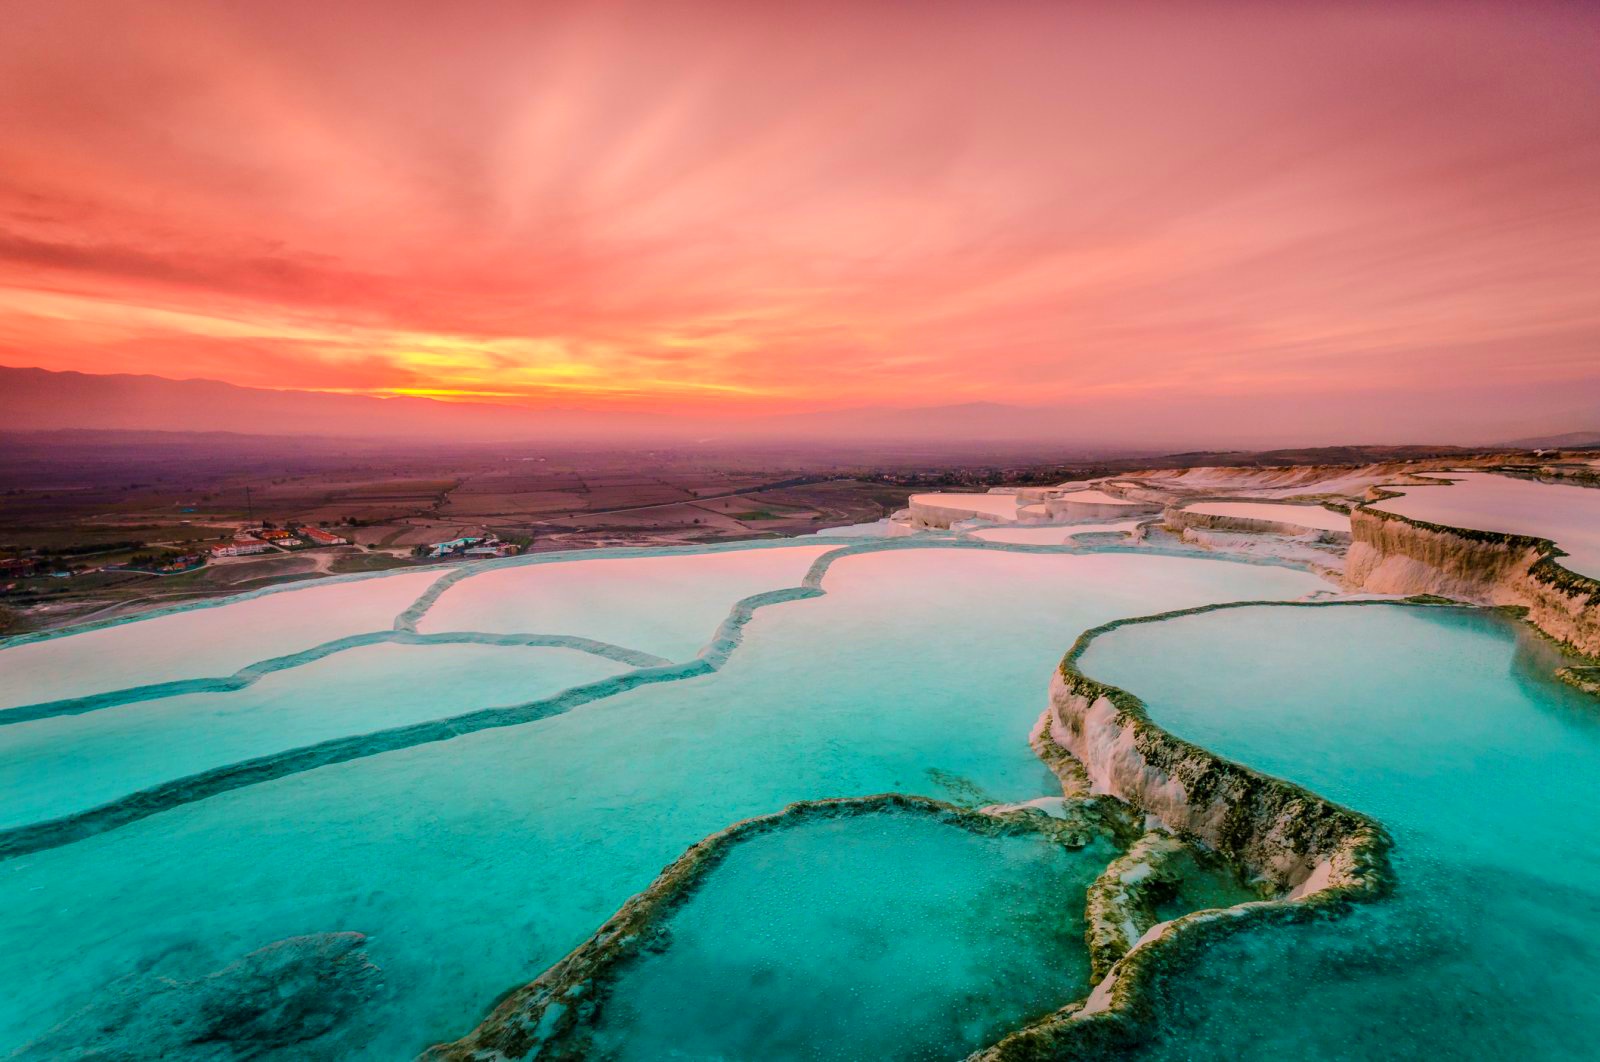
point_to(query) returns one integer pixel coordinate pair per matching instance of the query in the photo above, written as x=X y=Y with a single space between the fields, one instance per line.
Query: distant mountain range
x=1572 y=440
x=42 y=400
x=38 y=399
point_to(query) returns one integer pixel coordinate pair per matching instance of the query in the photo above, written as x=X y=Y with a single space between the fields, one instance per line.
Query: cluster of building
x=36 y=565
x=476 y=547
x=156 y=562
x=265 y=539
x=240 y=546
x=170 y=564
x=18 y=566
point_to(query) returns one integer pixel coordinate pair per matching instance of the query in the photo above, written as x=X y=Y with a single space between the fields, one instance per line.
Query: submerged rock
x=295 y=994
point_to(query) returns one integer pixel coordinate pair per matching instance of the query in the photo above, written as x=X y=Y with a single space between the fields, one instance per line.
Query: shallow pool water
x=474 y=863
x=666 y=604
x=204 y=642
x=1483 y=501
x=1446 y=726
x=56 y=766
x=884 y=936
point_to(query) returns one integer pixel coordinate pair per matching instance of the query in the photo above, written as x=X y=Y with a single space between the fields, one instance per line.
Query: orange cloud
x=741 y=207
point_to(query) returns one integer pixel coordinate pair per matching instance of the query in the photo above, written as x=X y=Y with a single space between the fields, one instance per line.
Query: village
x=250 y=541
x=268 y=538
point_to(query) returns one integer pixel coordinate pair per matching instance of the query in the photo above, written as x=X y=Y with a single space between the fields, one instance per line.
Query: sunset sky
x=759 y=207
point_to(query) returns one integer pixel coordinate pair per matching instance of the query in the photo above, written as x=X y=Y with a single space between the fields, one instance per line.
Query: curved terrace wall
x=1284 y=833
x=1394 y=554
x=1096 y=503
x=1318 y=855
x=549 y=1017
x=1066 y=509
x=1179 y=519
x=943 y=510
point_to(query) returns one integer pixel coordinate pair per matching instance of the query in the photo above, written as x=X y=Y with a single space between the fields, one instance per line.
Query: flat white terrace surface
x=669 y=605
x=206 y=642
x=57 y=766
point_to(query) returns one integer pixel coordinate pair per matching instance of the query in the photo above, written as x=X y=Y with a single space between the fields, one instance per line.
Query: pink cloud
x=749 y=206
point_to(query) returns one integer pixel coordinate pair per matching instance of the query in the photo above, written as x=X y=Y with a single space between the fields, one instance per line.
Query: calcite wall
x=1317 y=855
x=1180 y=519
x=940 y=516
x=1393 y=554
x=1284 y=833
x=1072 y=509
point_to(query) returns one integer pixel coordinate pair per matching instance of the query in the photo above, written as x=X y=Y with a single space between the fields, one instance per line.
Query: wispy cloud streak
x=726 y=206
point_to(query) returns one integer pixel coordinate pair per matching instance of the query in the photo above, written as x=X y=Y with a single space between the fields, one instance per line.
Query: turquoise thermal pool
x=405 y=796
x=472 y=863
x=887 y=935
x=202 y=642
x=56 y=766
x=668 y=605
x=1445 y=725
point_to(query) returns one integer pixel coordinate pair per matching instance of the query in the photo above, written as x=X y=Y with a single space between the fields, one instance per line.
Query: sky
x=751 y=208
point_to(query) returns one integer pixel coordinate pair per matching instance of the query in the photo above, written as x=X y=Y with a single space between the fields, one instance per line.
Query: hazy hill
x=37 y=399
x=41 y=400
x=1572 y=440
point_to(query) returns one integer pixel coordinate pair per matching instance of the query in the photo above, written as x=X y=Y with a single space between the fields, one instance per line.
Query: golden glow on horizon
x=727 y=207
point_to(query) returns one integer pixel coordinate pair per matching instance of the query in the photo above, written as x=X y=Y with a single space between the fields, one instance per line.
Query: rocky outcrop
x=1320 y=550
x=1583 y=679
x=1121 y=904
x=1285 y=834
x=294 y=997
x=1317 y=856
x=1320 y=558
x=1394 y=554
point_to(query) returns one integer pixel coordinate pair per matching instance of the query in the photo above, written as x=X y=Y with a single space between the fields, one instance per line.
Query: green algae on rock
x=1161 y=876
